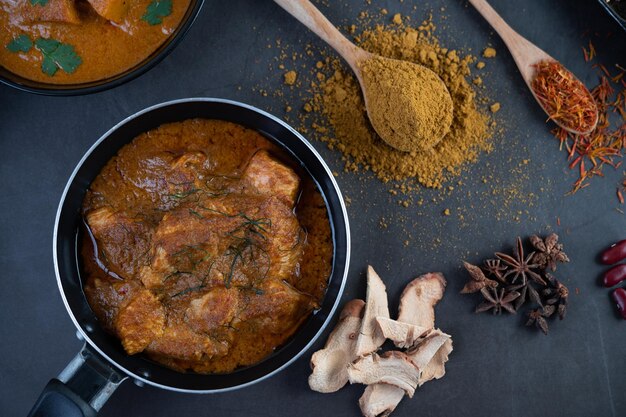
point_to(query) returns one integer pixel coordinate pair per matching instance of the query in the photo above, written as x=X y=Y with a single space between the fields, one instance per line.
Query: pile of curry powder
x=339 y=116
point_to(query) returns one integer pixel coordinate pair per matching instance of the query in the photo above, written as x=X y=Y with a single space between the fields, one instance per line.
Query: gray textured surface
x=497 y=368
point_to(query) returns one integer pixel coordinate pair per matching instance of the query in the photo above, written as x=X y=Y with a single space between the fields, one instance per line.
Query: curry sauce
x=106 y=46
x=205 y=246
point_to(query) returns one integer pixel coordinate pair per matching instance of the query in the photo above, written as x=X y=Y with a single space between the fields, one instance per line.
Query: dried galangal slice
x=370 y=335
x=390 y=375
x=393 y=368
x=417 y=304
x=330 y=365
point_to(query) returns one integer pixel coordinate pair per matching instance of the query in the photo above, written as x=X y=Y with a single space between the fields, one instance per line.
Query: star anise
x=520 y=266
x=556 y=295
x=549 y=251
x=538 y=318
x=527 y=291
x=495 y=268
x=497 y=300
x=478 y=281
x=509 y=281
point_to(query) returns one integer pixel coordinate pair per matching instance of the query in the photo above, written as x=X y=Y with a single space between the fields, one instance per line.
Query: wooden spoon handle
x=524 y=52
x=313 y=19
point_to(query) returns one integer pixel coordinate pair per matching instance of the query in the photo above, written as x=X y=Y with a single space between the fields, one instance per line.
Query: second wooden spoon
x=527 y=56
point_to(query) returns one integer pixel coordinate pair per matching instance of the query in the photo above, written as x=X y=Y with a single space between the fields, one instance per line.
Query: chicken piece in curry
x=205 y=246
x=82 y=41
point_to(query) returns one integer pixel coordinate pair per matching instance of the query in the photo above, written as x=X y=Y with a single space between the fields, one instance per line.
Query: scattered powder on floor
x=290 y=77
x=489 y=52
x=509 y=198
x=344 y=124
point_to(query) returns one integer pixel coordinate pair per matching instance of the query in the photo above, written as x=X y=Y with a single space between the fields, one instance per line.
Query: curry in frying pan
x=205 y=246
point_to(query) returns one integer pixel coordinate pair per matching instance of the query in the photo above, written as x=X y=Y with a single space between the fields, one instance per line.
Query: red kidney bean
x=619 y=295
x=614 y=275
x=614 y=254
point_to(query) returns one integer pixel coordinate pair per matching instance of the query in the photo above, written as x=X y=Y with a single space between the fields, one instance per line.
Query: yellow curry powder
x=489 y=52
x=290 y=77
x=337 y=99
x=408 y=105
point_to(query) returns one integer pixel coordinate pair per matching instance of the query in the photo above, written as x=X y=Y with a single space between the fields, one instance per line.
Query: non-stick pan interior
x=68 y=221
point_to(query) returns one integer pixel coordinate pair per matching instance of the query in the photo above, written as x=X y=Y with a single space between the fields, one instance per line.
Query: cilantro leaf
x=66 y=58
x=48 y=66
x=20 y=44
x=39 y=2
x=57 y=55
x=156 y=11
x=47 y=46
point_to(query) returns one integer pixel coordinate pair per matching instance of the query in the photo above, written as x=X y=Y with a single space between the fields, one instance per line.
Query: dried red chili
x=603 y=146
x=589 y=55
x=566 y=100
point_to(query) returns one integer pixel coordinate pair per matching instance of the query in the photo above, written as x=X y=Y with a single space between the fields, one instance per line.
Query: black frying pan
x=93 y=375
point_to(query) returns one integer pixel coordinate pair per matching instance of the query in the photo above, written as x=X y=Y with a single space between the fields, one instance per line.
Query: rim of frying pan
x=342 y=275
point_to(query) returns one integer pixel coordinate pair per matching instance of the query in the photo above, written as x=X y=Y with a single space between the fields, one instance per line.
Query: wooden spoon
x=440 y=117
x=525 y=53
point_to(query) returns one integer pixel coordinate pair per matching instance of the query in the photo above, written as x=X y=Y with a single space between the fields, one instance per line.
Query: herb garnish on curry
x=205 y=247
x=79 y=41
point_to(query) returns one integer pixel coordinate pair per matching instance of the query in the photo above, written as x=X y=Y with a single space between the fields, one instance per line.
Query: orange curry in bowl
x=205 y=246
x=80 y=41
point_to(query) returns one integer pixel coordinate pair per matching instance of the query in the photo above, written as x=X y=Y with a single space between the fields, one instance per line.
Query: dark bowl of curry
x=73 y=47
x=617 y=10
x=201 y=245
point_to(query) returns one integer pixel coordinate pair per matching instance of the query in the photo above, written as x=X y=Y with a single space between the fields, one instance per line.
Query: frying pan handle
x=81 y=389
